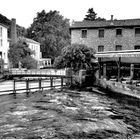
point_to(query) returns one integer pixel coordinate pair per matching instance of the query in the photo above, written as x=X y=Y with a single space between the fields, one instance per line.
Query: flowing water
x=68 y=114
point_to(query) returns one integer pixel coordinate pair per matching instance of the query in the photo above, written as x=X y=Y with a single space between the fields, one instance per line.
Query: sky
x=24 y=11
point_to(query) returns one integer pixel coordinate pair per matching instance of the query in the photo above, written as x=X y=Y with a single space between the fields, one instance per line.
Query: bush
x=29 y=63
x=76 y=56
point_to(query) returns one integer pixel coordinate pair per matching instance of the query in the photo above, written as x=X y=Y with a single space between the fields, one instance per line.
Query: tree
x=29 y=63
x=21 y=31
x=76 y=56
x=52 y=31
x=91 y=16
x=19 y=52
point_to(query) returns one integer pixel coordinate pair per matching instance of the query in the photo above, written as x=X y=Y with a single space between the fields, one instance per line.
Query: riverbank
x=120 y=88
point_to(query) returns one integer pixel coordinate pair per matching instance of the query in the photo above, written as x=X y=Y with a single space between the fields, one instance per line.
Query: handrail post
x=61 y=82
x=51 y=82
x=14 y=86
x=40 y=83
x=27 y=85
x=71 y=80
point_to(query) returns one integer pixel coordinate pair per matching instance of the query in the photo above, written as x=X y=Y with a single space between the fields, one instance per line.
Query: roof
x=4 y=25
x=31 y=41
x=28 y=40
x=106 y=24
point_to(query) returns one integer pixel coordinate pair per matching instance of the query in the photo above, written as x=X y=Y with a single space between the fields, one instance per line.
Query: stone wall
x=128 y=39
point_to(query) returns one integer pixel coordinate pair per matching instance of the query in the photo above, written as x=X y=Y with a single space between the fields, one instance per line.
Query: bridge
x=35 y=80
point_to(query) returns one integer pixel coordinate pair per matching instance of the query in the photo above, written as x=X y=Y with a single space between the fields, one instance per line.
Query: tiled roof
x=106 y=23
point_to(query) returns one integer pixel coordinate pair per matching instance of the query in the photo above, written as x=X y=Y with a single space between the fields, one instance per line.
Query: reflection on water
x=68 y=114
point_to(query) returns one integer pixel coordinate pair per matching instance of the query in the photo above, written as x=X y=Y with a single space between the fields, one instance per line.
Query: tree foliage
x=21 y=31
x=92 y=15
x=51 y=30
x=76 y=56
x=29 y=63
x=19 y=52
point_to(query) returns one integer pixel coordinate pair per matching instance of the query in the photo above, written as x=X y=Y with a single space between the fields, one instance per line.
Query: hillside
x=21 y=31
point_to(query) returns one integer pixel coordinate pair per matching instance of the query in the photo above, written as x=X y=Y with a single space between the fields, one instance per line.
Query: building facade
x=4 y=44
x=109 y=35
x=116 y=43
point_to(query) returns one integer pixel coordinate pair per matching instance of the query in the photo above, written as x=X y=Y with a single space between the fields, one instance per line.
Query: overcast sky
x=25 y=10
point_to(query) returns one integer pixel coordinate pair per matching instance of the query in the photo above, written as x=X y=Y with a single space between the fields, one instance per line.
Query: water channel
x=68 y=114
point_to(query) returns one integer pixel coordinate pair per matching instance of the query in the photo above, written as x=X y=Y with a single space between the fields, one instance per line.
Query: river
x=68 y=114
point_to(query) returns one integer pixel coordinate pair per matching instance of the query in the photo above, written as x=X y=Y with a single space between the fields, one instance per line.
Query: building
x=4 y=44
x=35 y=47
x=116 y=42
x=109 y=35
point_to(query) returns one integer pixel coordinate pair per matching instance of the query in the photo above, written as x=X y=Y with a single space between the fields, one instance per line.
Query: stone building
x=108 y=35
x=116 y=42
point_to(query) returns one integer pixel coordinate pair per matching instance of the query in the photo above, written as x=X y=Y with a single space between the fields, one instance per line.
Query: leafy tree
x=76 y=56
x=92 y=15
x=19 y=52
x=52 y=31
x=21 y=31
x=29 y=63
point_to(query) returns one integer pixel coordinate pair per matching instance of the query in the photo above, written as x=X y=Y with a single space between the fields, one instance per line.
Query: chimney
x=111 y=17
x=111 y=23
x=13 y=31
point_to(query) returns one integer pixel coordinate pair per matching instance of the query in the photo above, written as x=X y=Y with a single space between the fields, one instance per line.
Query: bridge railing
x=38 y=72
x=31 y=85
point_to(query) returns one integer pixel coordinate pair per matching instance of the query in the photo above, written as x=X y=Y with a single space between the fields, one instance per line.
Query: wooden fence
x=29 y=85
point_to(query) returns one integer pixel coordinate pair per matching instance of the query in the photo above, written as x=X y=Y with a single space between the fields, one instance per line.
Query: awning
x=126 y=53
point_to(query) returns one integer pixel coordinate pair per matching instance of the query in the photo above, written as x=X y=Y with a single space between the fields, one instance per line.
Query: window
x=118 y=32
x=4 y=56
x=118 y=47
x=137 y=47
x=84 y=34
x=1 y=43
x=100 y=48
x=101 y=33
x=137 y=31
x=0 y=54
x=0 y=31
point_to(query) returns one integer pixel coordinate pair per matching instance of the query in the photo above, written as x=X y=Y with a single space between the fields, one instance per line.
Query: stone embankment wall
x=118 y=87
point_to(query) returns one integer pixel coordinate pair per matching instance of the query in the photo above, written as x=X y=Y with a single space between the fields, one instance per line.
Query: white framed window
x=0 y=31
x=1 y=42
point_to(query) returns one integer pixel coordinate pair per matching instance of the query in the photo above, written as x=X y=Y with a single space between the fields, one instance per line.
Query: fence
x=38 y=72
x=30 y=85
